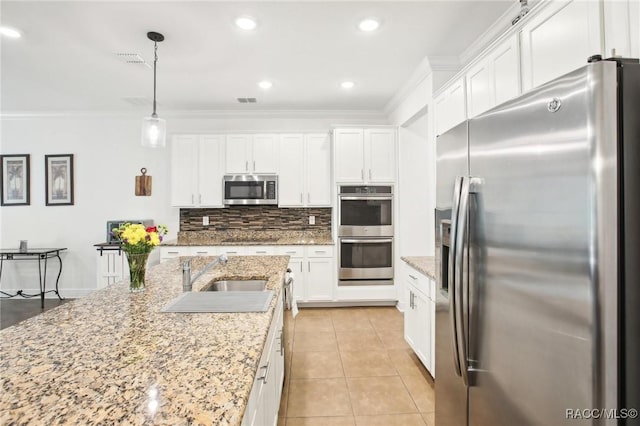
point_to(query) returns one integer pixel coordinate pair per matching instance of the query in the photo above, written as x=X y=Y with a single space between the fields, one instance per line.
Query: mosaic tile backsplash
x=256 y=218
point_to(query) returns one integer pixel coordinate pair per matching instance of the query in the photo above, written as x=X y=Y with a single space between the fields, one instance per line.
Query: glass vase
x=137 y=269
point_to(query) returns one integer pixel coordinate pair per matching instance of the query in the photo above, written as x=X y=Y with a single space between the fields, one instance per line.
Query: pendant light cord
x=155 y=61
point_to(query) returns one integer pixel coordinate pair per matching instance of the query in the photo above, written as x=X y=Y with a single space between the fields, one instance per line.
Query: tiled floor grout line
x=344 y=373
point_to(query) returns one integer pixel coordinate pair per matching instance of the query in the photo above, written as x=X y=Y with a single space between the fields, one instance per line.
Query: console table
x=42 y=255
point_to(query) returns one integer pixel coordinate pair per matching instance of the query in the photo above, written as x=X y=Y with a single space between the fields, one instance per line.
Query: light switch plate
x=312 y=220
x=205 y=220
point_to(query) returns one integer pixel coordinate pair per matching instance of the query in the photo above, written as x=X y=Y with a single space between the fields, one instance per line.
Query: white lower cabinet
x=171 y=252
x=112 y=267
x=313 y=266
x=264 y=399
x=419 y=317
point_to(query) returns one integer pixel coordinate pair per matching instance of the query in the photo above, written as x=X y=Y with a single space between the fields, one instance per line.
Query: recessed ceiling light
x=369 y=24
x=10 y=32
x=246 y=22
x=265 y=84
x=347 y=84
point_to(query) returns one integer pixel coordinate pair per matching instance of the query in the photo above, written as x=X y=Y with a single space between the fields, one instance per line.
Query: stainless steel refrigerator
x=538 y=256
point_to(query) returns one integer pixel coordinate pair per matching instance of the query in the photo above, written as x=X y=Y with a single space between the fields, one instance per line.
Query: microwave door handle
x=461 y=287
x=451 y=275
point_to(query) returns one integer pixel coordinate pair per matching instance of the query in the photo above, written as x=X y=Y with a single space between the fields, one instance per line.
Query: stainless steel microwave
x=250 y=189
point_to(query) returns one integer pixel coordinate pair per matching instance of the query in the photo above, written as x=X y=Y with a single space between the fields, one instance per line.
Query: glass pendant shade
x=154 y=132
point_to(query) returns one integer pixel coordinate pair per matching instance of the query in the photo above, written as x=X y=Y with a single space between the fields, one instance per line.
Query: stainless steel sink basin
x=236 y=285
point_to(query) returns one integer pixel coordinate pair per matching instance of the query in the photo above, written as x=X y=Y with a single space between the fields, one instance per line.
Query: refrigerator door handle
x=452 y=271
x=459 y=293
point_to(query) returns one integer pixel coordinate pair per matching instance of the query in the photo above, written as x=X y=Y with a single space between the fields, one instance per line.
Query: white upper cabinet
x=196 y=170
x=504 y=61
x=247 y=153
x=305 y=170
x=349 y=155
x=290 y=178
x=560 y=39
x=493 y=79
x=317 y=177
x=380 y=155
x=450 y=106
x=622 y=28
x=365 y=155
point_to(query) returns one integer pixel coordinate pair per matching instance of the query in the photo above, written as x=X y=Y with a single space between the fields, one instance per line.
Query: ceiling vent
x=247 y=100
x=132 y=58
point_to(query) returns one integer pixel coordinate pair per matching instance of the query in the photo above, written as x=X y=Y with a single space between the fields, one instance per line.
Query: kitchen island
x=114 y=358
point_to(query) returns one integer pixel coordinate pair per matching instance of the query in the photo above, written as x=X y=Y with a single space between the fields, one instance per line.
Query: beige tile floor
x=352 y=367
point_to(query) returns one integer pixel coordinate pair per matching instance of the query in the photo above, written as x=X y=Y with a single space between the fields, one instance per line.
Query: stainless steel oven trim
x=365 y=231
x=364 y=273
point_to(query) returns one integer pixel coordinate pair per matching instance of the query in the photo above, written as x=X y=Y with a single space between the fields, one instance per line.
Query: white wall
x=107 y=156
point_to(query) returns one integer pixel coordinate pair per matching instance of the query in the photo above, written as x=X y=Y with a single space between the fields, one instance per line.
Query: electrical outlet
x=205 y=220
x=312 y=220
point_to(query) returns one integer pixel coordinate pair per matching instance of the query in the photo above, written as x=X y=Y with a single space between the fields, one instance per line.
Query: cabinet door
x=423 y=328
x=456 y=104
x=184 y=170
x=450 y=106
x=504 y=62
x=559 y=40
x=237 y=153
x=621 y=28
x=210 y=171
x=440 y=104
x=319 y=279
x=479 y=94
x=264 y=154
x=317 y=169
x=290 y=177
x=380 y=155
x=410 y=322
x=111 y=267
x=349 y=155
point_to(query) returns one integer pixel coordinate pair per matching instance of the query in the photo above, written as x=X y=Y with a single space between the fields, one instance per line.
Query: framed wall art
x=14 y=180
x=59 y=179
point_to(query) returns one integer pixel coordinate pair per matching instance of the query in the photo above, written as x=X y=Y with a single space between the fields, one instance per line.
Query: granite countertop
x=423 y=264
x=113 y=358
x=249 y=238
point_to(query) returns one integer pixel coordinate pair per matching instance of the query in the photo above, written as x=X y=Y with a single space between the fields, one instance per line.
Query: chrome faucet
x=187 y=280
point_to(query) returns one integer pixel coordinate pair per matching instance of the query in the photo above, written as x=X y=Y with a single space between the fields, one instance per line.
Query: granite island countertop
x=423 y=264
x=250 y=238
x=114 y=358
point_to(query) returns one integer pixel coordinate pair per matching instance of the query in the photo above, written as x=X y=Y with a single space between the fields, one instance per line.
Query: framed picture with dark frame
x=15 y=180
x=58 y=175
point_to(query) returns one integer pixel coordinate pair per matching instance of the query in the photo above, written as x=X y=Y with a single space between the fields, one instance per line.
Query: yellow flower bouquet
x=137 y=242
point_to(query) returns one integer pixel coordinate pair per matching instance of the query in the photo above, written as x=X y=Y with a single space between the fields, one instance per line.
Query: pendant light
x=154 y=129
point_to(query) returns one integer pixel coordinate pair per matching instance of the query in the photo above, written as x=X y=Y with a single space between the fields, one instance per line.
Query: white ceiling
x=65 y=59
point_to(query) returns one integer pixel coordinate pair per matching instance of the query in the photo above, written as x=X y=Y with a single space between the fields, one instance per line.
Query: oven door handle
x=367 y=241
x=368 y=197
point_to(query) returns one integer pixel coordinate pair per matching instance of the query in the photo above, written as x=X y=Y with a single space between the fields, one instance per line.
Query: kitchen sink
x=236 y=285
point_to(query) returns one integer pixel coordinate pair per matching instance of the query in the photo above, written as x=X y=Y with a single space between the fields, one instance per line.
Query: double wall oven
x=365 y=235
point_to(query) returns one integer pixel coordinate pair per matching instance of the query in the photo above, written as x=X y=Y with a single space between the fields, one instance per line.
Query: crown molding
x=168 y=114
x=422 y=71
x=499 y=27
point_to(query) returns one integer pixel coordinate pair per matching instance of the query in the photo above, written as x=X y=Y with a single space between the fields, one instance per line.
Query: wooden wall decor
x=143 y=183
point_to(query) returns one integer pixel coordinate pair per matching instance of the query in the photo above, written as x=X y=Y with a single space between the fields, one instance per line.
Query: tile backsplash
x=256 y=218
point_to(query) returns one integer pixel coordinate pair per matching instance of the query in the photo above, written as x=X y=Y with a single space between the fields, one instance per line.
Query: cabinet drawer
x=173 y=252
x=204 y=251
x=421 y=282
x=319 y=251
x=258 y=250
x=293 y=251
